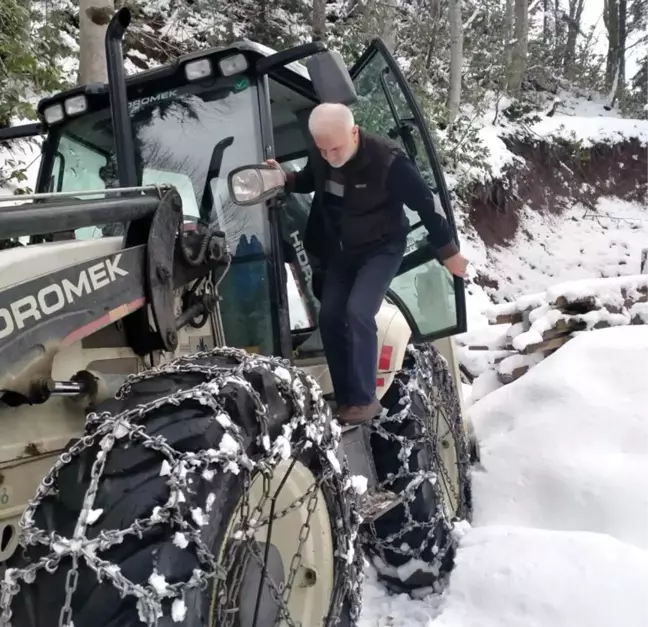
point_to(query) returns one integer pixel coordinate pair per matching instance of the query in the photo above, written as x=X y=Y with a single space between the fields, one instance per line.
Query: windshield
x=190 y=137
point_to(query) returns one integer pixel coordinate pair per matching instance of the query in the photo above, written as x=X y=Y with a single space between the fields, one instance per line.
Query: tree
x=520 y=46
x=573 y=29
x=611 y=18
x=456 y=60
x=319 y=20
x=94 y=16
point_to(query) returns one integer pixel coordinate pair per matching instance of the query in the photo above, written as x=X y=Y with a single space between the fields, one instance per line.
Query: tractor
x=168 y=448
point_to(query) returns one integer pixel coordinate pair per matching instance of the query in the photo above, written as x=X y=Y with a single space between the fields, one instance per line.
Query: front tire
x=421 y=453
x=147 y=520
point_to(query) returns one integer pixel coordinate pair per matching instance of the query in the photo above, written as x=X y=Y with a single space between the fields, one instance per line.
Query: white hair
x=330 y=115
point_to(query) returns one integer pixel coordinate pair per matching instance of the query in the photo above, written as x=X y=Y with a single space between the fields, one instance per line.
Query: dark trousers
x=351 y=297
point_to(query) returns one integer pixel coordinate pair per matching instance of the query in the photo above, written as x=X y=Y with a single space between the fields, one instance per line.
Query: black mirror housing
x=331 y=79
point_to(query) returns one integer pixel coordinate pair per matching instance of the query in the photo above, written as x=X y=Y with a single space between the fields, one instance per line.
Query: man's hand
x=456 y=264
x=275 y=164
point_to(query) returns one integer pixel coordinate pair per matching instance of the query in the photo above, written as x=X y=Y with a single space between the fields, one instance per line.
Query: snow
x=93 y=516
x=560 y=530
x=159 y=583
x=577 y=244
x=178 y=610
x=592 y=130
x=180 y=540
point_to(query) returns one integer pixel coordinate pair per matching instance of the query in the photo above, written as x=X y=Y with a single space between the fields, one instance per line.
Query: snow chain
x=430 y=378
x=299 y=433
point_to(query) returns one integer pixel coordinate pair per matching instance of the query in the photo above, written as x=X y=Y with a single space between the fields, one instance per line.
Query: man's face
x=337 y=145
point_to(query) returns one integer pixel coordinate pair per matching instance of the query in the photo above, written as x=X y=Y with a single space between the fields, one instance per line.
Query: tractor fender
x=393 y=337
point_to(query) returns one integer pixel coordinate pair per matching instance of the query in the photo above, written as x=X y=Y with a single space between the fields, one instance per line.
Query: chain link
x=308 y=428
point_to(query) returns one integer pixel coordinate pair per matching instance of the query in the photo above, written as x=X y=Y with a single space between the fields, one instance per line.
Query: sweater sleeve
x=302 y=181
x=405 y=184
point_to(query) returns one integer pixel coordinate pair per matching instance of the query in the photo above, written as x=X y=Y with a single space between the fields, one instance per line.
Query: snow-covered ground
x=560 y=529
x=578 y=244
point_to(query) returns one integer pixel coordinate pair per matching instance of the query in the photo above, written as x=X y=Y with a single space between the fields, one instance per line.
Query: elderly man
x=356 y=232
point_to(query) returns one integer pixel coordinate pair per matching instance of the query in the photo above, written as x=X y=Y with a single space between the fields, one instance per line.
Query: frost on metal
x=157 y=596
x=423 y=543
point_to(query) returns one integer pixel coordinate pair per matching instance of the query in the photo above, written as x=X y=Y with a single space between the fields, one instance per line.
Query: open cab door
x=429 y=296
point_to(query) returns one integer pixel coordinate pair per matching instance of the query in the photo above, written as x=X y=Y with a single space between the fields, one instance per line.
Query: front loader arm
x=42 y=315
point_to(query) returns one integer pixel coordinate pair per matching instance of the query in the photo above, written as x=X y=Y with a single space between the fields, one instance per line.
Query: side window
x=77 y=167
x=181 y=182
x=427 y=290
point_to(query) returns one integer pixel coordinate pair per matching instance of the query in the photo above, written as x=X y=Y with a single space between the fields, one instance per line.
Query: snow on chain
x=106 y=429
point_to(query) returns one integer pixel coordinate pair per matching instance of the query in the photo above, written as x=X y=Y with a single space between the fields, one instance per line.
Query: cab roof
x=294 y=72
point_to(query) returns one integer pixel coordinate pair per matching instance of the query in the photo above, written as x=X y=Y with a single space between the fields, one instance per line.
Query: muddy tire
x=421 y=452
x=152 y=506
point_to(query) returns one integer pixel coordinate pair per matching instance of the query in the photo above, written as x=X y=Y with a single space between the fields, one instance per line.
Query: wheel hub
x=255 y=595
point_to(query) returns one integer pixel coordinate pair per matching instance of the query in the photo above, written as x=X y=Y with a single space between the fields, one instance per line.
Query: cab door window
x=432 y=299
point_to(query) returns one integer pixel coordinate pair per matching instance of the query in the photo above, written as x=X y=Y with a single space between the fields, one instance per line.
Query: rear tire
x=172 y=458
x=421 y=453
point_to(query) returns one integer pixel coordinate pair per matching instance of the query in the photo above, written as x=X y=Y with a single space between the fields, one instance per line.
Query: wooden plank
x=551 y=344
x=563 y=327
x=509 y=377
x=576 y=305
x=510 y=318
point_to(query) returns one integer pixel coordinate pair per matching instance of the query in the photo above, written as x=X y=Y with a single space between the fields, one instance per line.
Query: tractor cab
x=193 y=123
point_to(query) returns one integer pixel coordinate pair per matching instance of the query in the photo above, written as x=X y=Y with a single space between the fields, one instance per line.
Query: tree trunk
x=94 y=16
x=545 y=23
x=456 y=60
x=508 y=32
x=558 y=33
x=623 y=36
x=611 y=18
x=520 y=48
x=432 y=18
x=319 y=20
x=575 y=16
x=387 y=21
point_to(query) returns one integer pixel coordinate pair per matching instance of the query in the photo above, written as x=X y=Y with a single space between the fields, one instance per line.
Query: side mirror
x=331 y=79
x=252 y=184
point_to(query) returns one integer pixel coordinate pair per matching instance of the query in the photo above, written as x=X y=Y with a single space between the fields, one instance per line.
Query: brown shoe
x=340 y=410
x=356 y=414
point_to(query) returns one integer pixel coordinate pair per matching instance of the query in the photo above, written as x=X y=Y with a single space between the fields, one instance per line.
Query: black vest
x=369 y=218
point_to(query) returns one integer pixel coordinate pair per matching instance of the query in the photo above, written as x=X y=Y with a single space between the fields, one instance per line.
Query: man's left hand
x=456 y=264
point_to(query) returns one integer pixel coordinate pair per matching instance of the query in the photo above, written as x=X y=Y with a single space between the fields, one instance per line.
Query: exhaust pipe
x=122 y=130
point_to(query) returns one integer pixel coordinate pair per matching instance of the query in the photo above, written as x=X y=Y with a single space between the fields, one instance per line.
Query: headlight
x=53 y=114
x=195 y=70
x=235 y=64
x=251 y=184
x=76 y=105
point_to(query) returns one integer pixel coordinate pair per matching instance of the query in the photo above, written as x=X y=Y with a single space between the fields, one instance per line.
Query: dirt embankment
x=555 y=176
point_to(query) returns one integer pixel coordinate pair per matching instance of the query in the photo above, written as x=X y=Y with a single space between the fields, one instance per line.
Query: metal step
x=356 y=446
x=374 y=504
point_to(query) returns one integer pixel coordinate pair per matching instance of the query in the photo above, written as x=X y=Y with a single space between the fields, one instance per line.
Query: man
x=356 y=232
